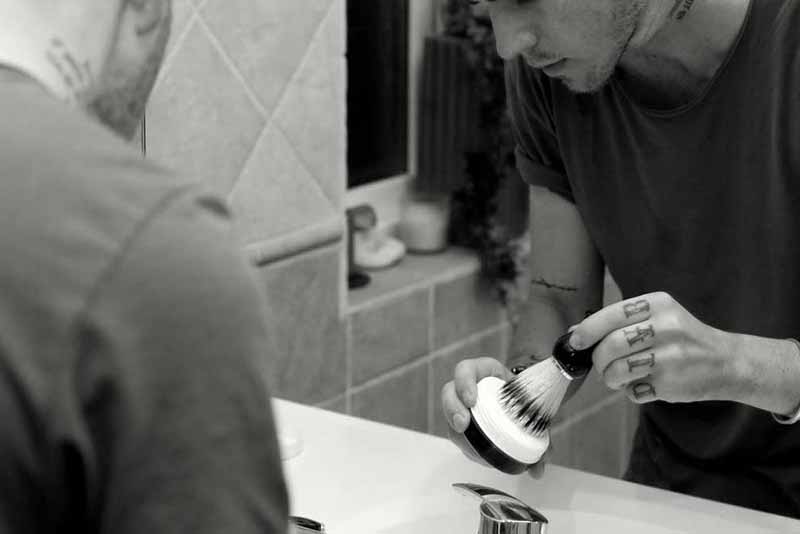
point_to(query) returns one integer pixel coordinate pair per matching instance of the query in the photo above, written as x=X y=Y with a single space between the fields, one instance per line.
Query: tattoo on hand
x=639 y=307
x=681 y=9
x=76 y=75
x=643 y=391
x=641 y=360
x=638 y=334
x=542 y=282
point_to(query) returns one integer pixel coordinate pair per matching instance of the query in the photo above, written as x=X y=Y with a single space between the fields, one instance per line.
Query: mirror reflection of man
x=131 y=328
x=661 y=138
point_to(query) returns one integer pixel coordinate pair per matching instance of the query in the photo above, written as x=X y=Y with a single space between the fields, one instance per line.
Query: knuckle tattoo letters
x=641 y=360
x=638 y=307
x=643 y=391
x=638 y=334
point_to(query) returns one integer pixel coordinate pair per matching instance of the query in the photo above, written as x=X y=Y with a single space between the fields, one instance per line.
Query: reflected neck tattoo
x=75 y=73
x=681 y=9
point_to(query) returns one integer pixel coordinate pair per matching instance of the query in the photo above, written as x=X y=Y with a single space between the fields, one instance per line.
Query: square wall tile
x=275 y=195
x=312 y=111
x=443 y=366
x=388 y=335
x=200 y=119
x=303 y=317
x=400 y=400
x=464 y=307
x=182 y=11
x=595 y=443
x=267 y=40
x=591 y=392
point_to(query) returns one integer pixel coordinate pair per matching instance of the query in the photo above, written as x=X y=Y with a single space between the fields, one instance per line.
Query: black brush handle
x=576 y=363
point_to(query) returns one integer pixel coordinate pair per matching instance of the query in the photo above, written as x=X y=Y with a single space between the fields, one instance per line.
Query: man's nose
x=510 y=36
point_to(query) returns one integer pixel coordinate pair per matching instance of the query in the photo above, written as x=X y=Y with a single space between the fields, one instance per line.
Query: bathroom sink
x=360 y=477
x=446 y=514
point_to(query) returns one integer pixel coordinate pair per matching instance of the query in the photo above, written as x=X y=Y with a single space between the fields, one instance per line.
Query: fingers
x=623 y=371
x=642 y=391
x=469 y=372
x=456 y=413
x=460 y=394
x=616 y=316
x=623 y=342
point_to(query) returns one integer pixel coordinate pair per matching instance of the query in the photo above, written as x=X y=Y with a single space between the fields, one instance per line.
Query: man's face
x=131 y=70
x=579 y=42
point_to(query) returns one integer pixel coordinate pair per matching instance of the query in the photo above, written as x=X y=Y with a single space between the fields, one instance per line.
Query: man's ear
x=149 y=14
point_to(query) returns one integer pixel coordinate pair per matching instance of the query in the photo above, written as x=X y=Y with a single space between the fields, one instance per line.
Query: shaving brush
x=510 y=421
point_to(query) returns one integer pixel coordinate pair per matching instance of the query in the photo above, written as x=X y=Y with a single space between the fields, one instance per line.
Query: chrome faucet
x=503 y=514
x=304 y=525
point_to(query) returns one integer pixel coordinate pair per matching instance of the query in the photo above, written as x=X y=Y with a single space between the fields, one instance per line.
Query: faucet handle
x=304 y=525
x=502 y=513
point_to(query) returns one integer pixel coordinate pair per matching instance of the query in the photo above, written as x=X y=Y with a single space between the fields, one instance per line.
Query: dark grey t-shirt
x=132 y=341
x=701 y=202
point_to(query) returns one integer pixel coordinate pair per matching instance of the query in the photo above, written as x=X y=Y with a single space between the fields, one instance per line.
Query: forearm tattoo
x=641 y=360
x=638 y=334
x=77 y=75
x=544 y=283
x=681 y=9
x=643 y=391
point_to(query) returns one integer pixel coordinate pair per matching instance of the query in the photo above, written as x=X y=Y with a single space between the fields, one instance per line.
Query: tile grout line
x=588 y=412
x=303 y=59
x=469 y=340
x=429 y=358
x=304 y=163
x=176 y=45
x=250 y=156
x=254 y=100
x=283 y=94
x=425 y=283
x=348 y=365
x=397 y=371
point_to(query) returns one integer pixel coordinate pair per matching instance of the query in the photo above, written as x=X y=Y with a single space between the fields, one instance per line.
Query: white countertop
x=362 y=477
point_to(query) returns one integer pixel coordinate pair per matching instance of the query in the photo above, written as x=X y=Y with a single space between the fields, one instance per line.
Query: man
x=131 y=329
x=661 y=139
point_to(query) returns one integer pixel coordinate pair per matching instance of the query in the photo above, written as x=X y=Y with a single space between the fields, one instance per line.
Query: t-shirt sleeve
x=174 y=356
x=537 y=152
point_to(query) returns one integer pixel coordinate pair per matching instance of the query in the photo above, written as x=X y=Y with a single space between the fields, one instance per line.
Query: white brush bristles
x=533 y=397
x=501 y=429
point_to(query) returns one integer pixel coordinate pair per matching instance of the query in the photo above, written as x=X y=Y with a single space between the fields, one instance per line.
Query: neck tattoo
x=76 y=75
x=681 y=9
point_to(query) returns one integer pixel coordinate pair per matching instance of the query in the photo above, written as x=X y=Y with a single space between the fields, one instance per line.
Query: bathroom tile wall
x=403 y=348
x=251 y=101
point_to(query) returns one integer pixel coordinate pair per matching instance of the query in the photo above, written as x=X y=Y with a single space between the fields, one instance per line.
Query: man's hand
x=654 y=349
x=459 y=396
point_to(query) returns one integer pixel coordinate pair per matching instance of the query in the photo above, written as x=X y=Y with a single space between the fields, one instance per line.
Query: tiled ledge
x=415 y=271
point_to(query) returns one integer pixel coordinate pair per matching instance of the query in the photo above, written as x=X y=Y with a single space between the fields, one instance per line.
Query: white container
x=424 y=225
